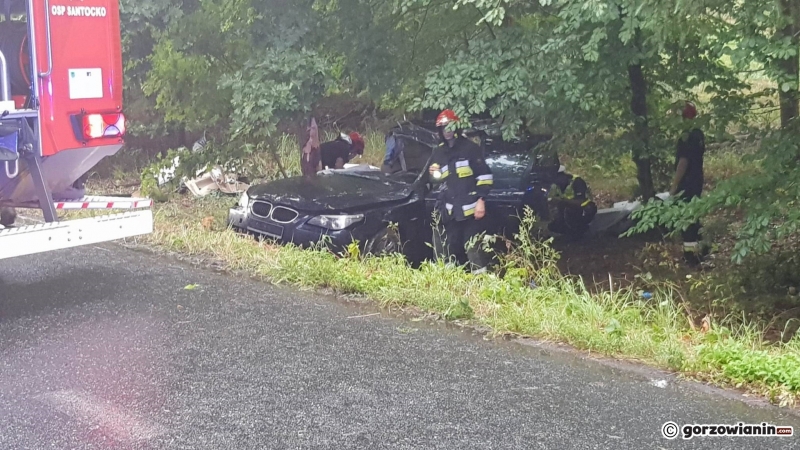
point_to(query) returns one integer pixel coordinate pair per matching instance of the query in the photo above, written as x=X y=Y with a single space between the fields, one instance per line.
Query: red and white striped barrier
x=105 y=203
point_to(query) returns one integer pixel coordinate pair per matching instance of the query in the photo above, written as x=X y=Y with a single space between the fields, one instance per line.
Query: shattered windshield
x=508 y=169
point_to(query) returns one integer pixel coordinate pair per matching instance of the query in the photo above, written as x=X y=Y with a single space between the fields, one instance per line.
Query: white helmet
x=346 y=138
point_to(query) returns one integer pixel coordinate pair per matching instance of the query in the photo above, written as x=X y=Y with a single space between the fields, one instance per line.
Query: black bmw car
x=388 y=210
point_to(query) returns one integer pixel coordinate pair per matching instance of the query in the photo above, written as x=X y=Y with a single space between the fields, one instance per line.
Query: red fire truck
x=60 y=114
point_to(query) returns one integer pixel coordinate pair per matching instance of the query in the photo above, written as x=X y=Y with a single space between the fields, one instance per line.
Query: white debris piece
x=617 y=218
x=350 y=168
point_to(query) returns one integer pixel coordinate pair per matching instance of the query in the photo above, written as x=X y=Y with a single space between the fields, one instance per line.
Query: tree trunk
x=182 y=135
x=641 y=149
x=790 y=66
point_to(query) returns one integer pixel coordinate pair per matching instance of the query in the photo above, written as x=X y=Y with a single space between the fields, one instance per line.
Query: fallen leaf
x=191 y=287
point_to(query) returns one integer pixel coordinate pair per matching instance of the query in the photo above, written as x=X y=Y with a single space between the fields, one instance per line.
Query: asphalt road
x=105 y=348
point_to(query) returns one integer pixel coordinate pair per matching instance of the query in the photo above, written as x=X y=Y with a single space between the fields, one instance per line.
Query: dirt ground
x=599 y=259
x=594 y=258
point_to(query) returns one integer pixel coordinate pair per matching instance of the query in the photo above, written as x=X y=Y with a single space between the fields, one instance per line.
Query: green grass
x=613 y=323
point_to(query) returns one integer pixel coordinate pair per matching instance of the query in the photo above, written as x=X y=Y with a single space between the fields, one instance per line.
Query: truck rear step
x=40 y=238
x=95 y=202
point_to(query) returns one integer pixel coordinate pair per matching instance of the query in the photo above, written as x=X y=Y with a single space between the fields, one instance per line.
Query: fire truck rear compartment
x=61 y=171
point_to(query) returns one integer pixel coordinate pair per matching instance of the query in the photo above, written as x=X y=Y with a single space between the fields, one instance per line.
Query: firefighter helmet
x=357 y=142
x=446 y=117
x=689 y=110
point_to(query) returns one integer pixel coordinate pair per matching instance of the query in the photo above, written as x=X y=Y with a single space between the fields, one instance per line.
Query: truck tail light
x=103 y=125
x=97 y=126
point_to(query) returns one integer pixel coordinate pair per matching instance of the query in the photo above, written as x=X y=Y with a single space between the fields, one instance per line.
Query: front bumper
x=298 y=233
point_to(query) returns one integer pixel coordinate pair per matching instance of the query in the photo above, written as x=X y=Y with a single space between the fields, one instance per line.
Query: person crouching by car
x=573 y=205
x=457 y=164
x=338 y=152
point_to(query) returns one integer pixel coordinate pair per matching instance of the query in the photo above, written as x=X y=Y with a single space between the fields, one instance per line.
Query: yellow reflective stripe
x=445 y=172
x=586 y=203
x=485 y=180
x=469 y=209
x=463 y=169
x=464 y=172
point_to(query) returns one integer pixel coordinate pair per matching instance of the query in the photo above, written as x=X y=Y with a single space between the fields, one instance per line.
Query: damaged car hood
x=333 y=192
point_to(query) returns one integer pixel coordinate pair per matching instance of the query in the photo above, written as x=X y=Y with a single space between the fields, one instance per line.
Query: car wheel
x=386 y=241
x=8 y=216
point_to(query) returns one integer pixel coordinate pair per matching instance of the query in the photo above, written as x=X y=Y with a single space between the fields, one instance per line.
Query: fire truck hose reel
x=14 y=45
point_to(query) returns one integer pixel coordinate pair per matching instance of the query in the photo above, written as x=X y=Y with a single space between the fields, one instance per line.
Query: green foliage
x=275 y=85
x=181 y=83
x=767 y=199
x=237 y=68
x=499 y=75
x=192 y=55
x=740 y=364
x=564 y=67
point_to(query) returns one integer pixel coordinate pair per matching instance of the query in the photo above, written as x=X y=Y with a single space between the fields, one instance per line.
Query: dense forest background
x=604 y=77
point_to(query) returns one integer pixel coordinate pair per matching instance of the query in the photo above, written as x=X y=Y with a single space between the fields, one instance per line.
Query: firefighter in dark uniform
x=338 y=152
x=572 y=203
x=459 y=165
x=689 y=179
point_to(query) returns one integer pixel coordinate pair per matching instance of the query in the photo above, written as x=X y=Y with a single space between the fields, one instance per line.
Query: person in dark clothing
x=458 y=165
x=338 y=152
x=574 y=207
x=689 y=179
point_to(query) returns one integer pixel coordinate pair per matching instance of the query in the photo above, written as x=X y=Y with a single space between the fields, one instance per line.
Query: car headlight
x=244 y=200
x=336 y=222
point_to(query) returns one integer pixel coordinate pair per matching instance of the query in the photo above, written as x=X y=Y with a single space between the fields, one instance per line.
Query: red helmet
x=358 y=143
x=689 y=110
x=445 y=117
